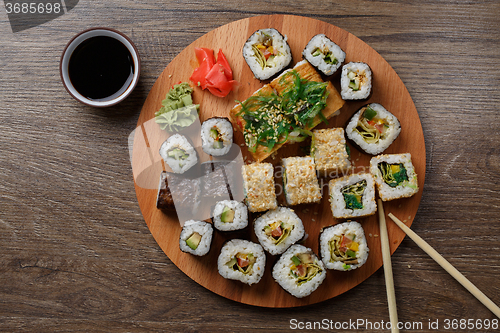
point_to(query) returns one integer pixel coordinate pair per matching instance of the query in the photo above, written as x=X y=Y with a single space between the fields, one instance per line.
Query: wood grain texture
x=75 y=253
x=387 y=89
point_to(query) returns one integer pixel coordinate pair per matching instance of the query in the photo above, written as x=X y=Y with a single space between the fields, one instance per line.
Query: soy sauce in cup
x=100 y=67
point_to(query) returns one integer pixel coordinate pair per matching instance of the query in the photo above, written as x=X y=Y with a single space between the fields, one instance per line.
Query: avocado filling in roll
x=344 y=248
x=371 y=128
x=353 y=195
x=393 y=174
x=278 y=231
x=304 y=267
x=194 y=240
x=242 y=262
x=326 y=54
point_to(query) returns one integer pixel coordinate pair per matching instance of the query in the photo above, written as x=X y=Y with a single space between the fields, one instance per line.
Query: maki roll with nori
x=394 y=175
x=179 y=193
x=299 y=271
x=277 y=229
x=343 y=246
x=216 y=136
x=352 y=196
x=324 y=54
x=230 y=215
x=267 y=53
x=356 y=81
x=242 y=260
x=178 y=153
x=196 y=237
x=373 y=128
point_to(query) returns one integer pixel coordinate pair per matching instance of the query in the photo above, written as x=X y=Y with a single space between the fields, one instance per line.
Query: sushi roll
x=230 y=215
x=394 y=175
x=242 y=260
x=329 y=150
x=299 y=271
x=278 y=229
x=216 y=136
x=324 y=54
x=355 y=81
x=373 y=129
x=178 y=153
x=299 y=180
x=267 y=53
x=258 y=187
x=343 y=246
x=352 y=196
x=164 y=199
x=179 y=193
x=196 y=237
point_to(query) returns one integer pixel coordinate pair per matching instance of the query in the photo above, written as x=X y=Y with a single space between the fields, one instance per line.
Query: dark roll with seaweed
x=267 y=53
x=324 y=54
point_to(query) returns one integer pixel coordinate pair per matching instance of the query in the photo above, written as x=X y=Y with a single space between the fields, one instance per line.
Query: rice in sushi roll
x=324 y=54
x=277 y=229
x=230 y=215
x=258 y=186
x=373 y=129
x=356 y=81
x=242 y=260
x=178 y=153
x=352 y=196
x=299 y=180
x=267 y=53
x=216 y=136
x=329 y=150
x=299 y=271
x=394 y=175
x=343 y=246
x=196 y=237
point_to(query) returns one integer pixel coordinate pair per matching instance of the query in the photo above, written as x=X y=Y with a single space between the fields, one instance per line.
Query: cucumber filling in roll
x=304 y=267
x=242 y=262
x=278 y=231
x=356 y=79
x=344 y=248
x=393 y=174
x=326 y=54
x=371 y=128
x=218 y=141
x=353 y=195
x=178 y=154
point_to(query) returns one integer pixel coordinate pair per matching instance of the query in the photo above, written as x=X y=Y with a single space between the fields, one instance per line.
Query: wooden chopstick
x=448 y=267
x=386 y=257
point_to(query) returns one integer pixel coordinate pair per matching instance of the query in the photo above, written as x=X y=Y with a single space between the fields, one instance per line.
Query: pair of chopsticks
x=386 y=255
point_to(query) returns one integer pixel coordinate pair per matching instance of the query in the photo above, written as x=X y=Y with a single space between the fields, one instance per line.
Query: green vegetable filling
x=393 y=174
x=304 y=267
x=327 y=55
x=275 y=119
x=353 y=195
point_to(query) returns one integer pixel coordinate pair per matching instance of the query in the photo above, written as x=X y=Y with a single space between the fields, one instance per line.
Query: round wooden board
x=388 y=90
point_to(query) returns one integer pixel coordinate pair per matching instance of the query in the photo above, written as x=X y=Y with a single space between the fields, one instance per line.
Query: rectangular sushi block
x=178 y=193
x=299 y=180
x=328 y=148
x=299 y=271
x=352 y=196
x=394 y=175
x=264 y=109
x=196 y=237
x=258 y=186
x=242 y=260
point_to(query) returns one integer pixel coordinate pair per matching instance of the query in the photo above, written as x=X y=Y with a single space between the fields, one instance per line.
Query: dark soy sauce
x=101 y=67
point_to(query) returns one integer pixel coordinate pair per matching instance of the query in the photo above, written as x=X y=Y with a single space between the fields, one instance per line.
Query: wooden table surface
x=76 y=254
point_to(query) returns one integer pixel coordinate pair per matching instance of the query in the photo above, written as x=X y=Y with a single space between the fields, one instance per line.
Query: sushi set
x=324 y=125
